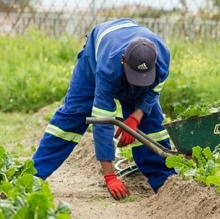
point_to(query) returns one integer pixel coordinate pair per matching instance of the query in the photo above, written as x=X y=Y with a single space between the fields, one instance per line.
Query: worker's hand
x=126 y=138
x=115 y=186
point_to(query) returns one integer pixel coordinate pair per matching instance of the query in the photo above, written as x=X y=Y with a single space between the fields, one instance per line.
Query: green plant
x=204 y=166
x=24 y=196
x=126 y=153
x=197 y=110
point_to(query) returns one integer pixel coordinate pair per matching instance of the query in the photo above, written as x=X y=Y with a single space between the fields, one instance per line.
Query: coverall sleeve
x=147 y=101
x=104 y=106
x=151 y=95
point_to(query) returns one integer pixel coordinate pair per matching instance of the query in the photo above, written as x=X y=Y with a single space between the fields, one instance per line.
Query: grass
x=14 y=129
x=20 y=132
x=130 y=198
x=36 y=69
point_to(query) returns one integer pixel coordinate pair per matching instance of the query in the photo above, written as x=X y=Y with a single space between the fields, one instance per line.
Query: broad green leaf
x=7 y=189
x=180 y=163
x=2 y=215
x=198 y=156
x=213 y=180
x=22 y=213
x=200 y=175
x=26 y=181
x=207 y=153
x=10 y=172
x=174 y=161
x=29 y=167
x=210 y=168
x=47 y=192
x=38 y=205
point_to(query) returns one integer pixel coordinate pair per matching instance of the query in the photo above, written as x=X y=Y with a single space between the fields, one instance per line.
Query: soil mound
x=179 y=198
x=79 y=181
x=84 y=158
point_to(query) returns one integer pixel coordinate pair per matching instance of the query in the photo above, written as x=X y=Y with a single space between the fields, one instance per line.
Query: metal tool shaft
x=149 y=143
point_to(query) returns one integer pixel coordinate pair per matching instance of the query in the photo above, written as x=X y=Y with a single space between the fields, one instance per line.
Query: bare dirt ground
x=79 y=182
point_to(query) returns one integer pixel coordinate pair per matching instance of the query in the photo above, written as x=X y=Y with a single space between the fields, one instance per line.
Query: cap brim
x=140 y=79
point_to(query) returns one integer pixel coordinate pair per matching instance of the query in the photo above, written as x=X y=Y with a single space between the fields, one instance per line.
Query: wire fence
x=173 y=18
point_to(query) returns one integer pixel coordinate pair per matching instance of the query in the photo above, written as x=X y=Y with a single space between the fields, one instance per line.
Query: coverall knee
x=149 y=163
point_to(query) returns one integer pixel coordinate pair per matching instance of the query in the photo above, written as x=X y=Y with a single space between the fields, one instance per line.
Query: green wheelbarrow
x=203 y=131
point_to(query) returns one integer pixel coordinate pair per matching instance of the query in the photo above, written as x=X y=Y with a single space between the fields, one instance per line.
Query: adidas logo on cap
x=142 y=66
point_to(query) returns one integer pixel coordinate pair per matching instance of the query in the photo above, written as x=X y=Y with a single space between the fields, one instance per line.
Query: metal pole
x=155 y=147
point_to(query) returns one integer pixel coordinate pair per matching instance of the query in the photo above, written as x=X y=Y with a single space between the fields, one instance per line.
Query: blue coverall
x=98 y=79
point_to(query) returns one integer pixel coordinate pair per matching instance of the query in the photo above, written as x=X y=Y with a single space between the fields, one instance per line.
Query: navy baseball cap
x=140 y=62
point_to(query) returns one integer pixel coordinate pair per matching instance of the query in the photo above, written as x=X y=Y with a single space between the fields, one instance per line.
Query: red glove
x=126 y=138
x=115 y=186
